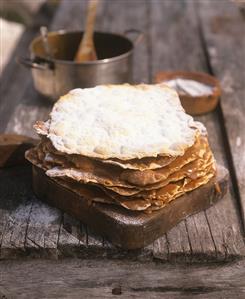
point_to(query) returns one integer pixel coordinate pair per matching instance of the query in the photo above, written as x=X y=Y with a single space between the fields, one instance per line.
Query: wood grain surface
x=178 y=35
x=223 y=34
x=73 y=278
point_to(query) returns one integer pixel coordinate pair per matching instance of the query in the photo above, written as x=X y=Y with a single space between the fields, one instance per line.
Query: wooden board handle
x=12 y=149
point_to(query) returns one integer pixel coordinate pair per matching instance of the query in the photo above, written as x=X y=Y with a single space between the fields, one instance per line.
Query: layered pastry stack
x=132 y=146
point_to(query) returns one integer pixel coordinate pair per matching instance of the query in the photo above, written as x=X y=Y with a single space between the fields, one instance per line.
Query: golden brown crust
x=195 y=168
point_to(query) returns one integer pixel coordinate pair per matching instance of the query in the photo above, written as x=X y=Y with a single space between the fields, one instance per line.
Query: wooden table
x=203 y=256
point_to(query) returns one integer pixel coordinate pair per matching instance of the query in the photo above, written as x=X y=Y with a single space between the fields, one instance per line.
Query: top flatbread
x=120 y=121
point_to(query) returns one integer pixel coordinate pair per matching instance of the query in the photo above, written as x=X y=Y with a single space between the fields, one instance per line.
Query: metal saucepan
x=55 y=76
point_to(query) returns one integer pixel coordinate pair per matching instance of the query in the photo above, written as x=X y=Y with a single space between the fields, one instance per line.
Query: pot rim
x=70 y=62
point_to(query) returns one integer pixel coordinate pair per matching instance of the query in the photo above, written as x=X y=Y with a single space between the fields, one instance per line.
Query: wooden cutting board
x=129 y=229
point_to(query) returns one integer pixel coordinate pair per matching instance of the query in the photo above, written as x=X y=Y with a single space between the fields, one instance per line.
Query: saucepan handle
x=138 y=35
x=35 y=64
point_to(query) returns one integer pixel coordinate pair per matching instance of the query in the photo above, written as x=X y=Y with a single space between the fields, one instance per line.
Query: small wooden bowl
x=194 y=105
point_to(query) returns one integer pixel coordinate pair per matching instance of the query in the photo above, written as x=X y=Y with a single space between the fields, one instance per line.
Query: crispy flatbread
x=145 y=201
x=148 y=177
x=141 y=164
x=159 y=198
x=89 y=170
x=185 y=172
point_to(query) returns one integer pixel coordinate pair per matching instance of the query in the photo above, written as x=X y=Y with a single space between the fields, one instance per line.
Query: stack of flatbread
x=132 y=146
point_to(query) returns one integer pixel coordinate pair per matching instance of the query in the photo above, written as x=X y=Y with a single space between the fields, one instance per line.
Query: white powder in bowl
x=190 y=87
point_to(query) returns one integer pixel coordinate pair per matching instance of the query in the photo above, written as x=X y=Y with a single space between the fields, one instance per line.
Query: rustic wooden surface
x=72 y=278
x=187 y=35
x=223 y=31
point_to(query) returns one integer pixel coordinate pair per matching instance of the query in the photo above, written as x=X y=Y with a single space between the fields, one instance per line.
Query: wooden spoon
x=44 y=36
x=86 y=50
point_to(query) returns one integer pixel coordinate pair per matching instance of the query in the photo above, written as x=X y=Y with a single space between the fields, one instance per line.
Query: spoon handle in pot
x=86 y=50
x=44 y=35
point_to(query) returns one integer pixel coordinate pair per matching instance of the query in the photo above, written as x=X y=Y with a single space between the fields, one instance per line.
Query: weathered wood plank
x=161 y=248
x=225 y=232
x=70 y=238
x=178 y=242
x=223 y=30
x=102 y=278
x=133 y=15
x=171 y=44
x=29 y=107
x=176 y=44
x=43 y=230
x=201 y=242
x=15 y=207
